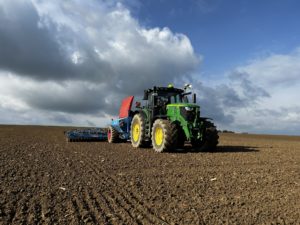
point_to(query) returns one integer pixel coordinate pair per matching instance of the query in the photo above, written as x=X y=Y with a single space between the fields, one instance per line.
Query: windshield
x=171 y=98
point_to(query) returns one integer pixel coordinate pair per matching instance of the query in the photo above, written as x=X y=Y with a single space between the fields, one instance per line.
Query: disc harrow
x=86 y=135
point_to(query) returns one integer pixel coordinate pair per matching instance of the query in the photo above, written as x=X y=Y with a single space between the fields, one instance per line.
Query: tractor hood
x=183 y=112
x=191 y=105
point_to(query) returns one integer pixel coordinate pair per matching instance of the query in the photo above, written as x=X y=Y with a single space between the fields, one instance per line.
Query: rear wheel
x=164 y=135
x=112 y=135
x=210 y=140
x=137 y=131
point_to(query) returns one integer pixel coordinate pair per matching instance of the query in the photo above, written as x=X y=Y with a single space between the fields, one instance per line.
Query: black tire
x=112 y=135
x=210 y=141
x=138 y=137
x=169 y=135
x=181 y=137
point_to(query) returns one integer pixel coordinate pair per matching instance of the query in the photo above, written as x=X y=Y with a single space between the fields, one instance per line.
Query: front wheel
x=164 y=135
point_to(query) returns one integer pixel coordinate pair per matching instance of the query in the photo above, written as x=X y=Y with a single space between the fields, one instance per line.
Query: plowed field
x=251 y=179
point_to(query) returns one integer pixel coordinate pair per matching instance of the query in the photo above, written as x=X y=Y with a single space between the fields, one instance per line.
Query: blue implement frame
x=122 y=125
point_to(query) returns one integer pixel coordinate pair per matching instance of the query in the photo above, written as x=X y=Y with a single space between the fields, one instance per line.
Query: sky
x=71 y=62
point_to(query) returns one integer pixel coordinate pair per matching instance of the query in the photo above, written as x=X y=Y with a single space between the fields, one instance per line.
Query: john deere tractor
x=166 y=121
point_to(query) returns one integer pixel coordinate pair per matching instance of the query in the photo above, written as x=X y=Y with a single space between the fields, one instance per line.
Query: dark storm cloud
x=76 y=103
x=32 y=50
x=61 y=119
x=26 y=49
x=211 y=104
x=75 y=97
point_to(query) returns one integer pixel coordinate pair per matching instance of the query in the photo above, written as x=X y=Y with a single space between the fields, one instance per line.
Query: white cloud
x=275 y=69
x=76 y=57
x=279 y=76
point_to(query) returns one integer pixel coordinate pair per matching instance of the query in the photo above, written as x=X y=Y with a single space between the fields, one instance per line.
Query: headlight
x=187 y=108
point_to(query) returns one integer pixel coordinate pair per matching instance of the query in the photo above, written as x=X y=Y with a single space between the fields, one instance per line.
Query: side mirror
x=145 y=95
x=194 y=98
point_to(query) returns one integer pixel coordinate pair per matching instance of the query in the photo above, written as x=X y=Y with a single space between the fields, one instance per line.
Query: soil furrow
x=97 y=207
x=10 y=213
x=21 y=210
x=127 y=196
x=117 y=201
x=88 y=214
x=31 y=214
x=46 y=210
x=120 y=212
x=131 y=198
x=110 y=210
x=76 y=215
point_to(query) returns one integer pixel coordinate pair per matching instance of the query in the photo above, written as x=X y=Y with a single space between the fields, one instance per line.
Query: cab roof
x=165 y=89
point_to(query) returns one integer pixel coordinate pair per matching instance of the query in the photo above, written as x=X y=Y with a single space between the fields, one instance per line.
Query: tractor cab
x=164 y=95
x=159 y=99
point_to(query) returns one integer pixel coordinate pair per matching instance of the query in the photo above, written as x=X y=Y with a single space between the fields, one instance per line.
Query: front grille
x=188 y=115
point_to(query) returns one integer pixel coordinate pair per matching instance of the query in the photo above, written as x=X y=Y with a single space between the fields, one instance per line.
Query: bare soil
x=251 y=179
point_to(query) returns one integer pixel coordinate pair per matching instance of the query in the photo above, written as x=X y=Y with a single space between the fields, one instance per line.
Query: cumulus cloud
x=222 y=102
x=275 y=69
x=276 y=90
x=84 y=56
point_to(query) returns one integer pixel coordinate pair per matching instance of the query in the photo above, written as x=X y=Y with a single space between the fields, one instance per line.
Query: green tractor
x=166 y=121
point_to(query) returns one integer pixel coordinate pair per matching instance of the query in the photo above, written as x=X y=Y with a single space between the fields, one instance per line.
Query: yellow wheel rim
x=159 y=136
x=136 y=132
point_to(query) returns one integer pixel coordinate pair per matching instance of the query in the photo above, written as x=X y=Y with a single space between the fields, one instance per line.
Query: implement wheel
x=137 y=131
x=112 y=135
x=164 y=135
